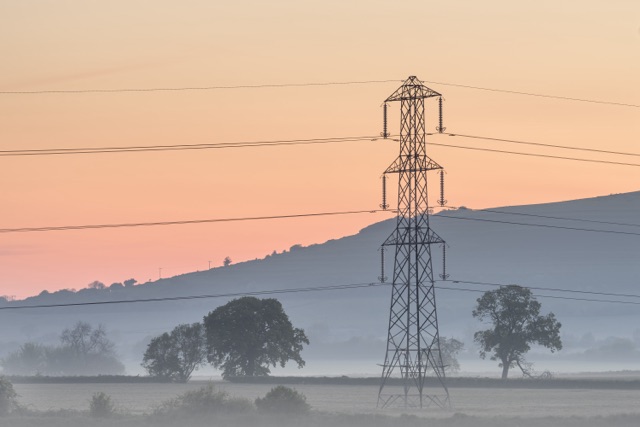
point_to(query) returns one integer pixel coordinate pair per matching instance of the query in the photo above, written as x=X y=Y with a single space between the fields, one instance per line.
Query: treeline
x=83 y=350
x=454 y=382
x=64 y=295
x=84 y=379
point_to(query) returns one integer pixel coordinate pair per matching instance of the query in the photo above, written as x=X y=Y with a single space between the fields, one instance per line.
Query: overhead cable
x=324 y=289
x=539 y=288
x=442 y=214
x=193 y=88
x=195 y=297
x=307 y=84
x=294 y=142
x=524 y=224
x=608 y=301
x=179 y=147
x=547 y=156
x=539 y=144
x=183 y=222
x=559 y=218
x=540 y=95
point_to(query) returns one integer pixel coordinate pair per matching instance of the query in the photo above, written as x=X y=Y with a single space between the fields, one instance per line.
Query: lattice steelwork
x=413 y=345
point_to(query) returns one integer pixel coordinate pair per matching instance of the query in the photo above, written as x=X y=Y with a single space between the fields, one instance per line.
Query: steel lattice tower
x=413 y=344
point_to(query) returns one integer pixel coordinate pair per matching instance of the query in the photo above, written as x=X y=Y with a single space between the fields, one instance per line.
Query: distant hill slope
x=481 y=250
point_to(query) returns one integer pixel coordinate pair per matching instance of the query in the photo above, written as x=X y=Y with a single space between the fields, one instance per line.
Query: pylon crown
x=412 y=88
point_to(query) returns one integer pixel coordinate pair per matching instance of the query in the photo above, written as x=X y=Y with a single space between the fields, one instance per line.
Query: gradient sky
x=574 y=48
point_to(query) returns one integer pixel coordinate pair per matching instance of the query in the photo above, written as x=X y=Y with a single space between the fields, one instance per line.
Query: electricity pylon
x=413 y=344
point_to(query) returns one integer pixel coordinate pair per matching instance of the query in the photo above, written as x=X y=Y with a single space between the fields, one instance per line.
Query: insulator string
x=444 y=275
x=384 y=205
x=440 y=127
x=382 y=277
x=385 y=132
x=442 y=201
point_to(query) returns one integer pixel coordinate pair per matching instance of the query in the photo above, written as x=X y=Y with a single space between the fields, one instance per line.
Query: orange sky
x=585 y=49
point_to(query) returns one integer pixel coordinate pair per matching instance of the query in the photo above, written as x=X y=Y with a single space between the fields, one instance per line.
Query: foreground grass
x=281 y=407
x=312 y=419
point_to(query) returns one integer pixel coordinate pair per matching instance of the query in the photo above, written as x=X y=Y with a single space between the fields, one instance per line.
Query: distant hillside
x=351 y=324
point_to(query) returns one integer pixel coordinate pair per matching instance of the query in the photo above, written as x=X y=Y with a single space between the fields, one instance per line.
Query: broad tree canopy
x=247 y=335
x=174 y=356
x=516 y=323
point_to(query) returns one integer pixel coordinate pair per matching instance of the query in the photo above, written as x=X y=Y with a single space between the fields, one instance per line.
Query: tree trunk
x=505 y=370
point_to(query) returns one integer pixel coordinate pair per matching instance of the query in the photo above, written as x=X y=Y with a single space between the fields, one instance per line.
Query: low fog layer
x=206 y=404
x=347 y=328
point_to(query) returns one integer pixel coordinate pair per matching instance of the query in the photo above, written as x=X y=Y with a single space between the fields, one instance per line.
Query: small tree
x=449 y=349
x=96 y=285
x=174 y=356
x=101 y=405
x=514 y=314
x=84 y=350
x=205 y=400
x=226 y=262
x=83 y=339
x=29 y=359
x=129 y=283
x=283 y=399
x=248 y=334
x=8 y=397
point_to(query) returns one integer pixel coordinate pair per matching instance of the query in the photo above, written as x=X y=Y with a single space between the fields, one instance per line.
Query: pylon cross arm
x=425 y=165
x=425 y=238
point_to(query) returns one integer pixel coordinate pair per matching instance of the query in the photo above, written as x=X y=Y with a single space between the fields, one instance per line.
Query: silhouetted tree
x=247 y=335
x=83 y=350
x=83 y=339
x=227 y=262
x=96 y=285
x=130 y=283
x=514 y=314
x=174 y=356
x=29 y=359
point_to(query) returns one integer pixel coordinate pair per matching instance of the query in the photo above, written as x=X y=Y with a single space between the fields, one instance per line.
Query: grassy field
x=316 y=419
x=335 y=405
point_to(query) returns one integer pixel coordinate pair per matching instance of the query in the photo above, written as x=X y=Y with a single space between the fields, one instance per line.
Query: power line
x=538 y=144
x=515 y=92
x=178 y=147
x=306 y=215
x=276 y=143
x=560 y=227
x=547 y=156
x=537 y=288
x=624 y=224
x=322 y=289
x=308 y=84
x=193 y=297
x=552 y=297
x=183 y=222
x=194 y=88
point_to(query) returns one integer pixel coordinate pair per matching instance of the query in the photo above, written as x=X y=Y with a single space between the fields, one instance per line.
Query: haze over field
x=347 y=328
x=587 y=49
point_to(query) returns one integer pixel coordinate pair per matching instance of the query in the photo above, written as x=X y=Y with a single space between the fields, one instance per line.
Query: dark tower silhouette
x=413 y=344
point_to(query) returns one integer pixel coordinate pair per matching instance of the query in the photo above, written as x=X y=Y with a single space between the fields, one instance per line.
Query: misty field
x=137 y=399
